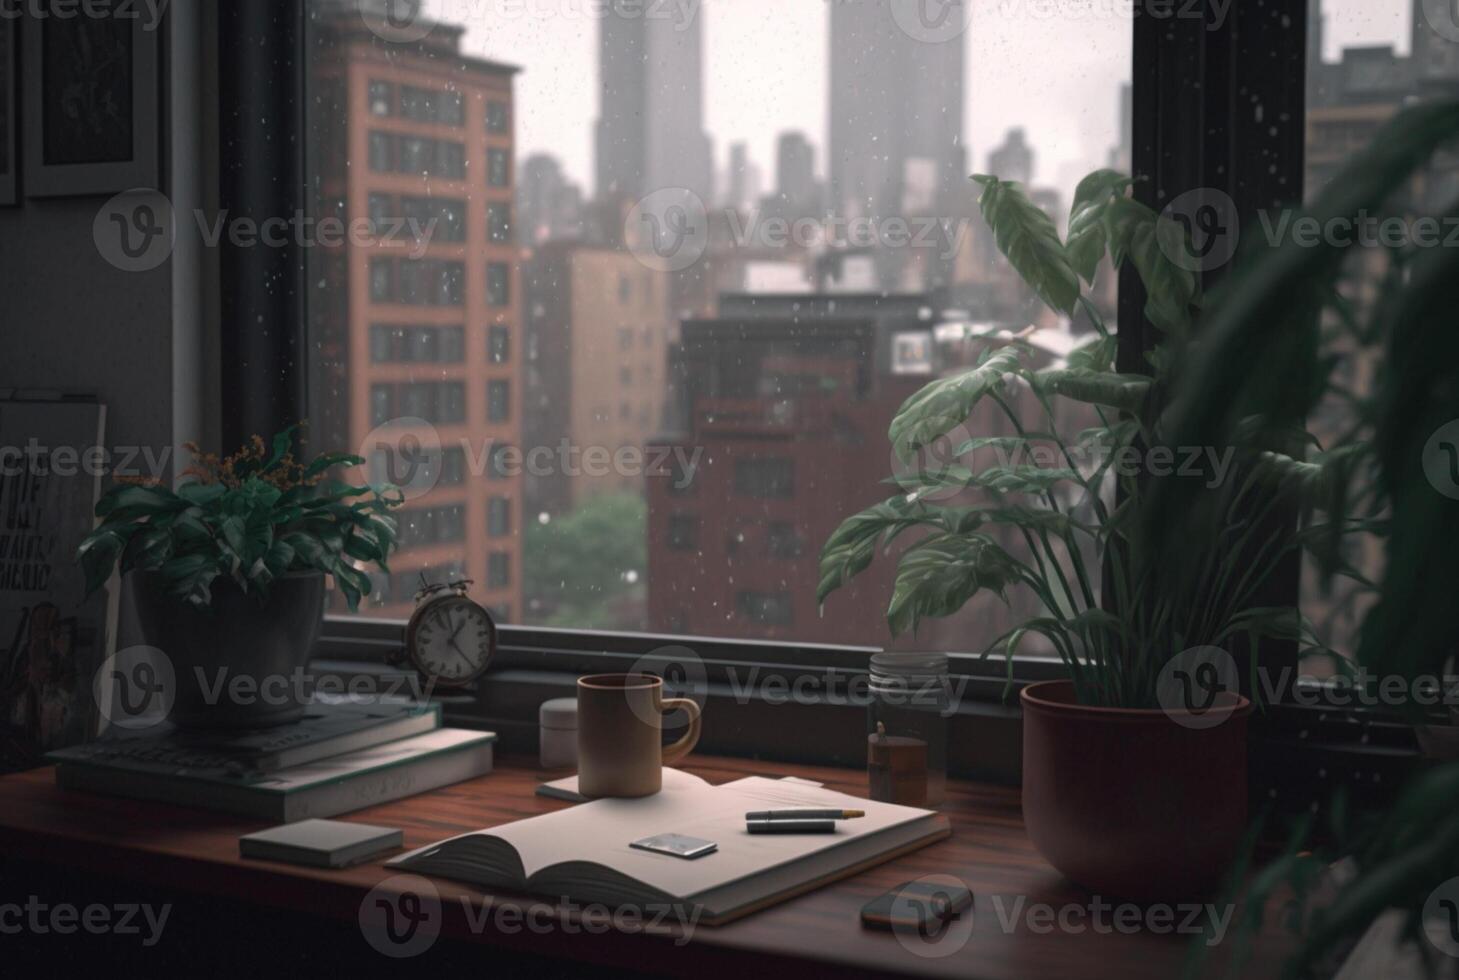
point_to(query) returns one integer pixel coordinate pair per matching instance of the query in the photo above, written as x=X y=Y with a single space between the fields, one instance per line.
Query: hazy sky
x=1052 y=66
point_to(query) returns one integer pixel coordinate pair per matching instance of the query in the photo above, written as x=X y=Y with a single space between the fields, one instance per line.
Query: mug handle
x=677 y=750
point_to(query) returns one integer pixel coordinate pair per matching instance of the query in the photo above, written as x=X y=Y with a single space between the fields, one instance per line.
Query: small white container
x=558 y=733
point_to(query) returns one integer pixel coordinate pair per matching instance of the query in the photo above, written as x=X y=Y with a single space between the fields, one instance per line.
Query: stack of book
x=341 y=756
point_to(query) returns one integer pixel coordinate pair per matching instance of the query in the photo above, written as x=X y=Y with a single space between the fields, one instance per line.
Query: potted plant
x=1280 y=346
x=228 y=571
x=1131 y=786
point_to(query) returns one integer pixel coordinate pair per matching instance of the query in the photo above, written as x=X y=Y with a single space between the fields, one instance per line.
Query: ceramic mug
x=620 y=734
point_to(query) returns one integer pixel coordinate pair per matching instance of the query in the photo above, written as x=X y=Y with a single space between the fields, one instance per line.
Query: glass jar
x=910 y=702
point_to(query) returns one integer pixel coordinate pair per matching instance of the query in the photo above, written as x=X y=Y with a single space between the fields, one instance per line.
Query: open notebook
x=582 y=853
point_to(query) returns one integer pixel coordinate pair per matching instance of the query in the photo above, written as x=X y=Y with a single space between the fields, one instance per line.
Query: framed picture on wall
x=9 y=115
x=92 y=105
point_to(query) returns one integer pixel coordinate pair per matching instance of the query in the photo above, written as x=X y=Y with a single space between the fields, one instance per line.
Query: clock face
x=452 y=640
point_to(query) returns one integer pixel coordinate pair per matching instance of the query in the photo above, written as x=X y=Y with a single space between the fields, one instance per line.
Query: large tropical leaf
x=1027 y=236
x=1149 y=239
x=851 y=547
x=1125 y=392
x=946 y=403
x=1088 y=220
x=939 y=574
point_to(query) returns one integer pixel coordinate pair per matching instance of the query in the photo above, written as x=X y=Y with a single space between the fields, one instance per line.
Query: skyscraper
x=795 y=177
x=1014 y=159
x=650 y=131
x=549 y=206
x=896 y=115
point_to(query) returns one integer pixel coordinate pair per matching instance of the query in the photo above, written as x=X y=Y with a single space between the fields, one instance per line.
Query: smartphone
x=925 y=906
x=678 y=845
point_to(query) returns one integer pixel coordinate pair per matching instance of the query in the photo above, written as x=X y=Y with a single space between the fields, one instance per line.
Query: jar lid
x=909 y=664
x=559 y=713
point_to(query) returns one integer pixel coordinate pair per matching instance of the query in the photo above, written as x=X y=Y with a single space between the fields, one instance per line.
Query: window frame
x=1190 y=83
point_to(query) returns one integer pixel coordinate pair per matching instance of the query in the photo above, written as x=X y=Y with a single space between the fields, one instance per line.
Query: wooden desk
x=817 y=934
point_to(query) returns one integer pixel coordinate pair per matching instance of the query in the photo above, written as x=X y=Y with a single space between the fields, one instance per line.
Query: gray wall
x=141 y=342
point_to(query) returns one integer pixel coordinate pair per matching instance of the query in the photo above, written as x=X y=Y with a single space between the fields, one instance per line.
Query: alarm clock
x=450 y=639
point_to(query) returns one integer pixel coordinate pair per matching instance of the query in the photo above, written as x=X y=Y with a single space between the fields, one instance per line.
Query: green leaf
x=98 y=555
x=851 y=547
x=283 y=442
x=1028 y=238
x=1148 y=239
x=1025 y=478
x=148 y=548
x=1097 y=355
x=325 y=460
x=946 y=403
x=1088 y=228
x=937 y=576
x=1125 y=392
x=201 y=494
x=191 y=578
x=130 y=501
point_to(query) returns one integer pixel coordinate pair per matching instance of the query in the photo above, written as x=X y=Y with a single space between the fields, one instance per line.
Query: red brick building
x=428 y=326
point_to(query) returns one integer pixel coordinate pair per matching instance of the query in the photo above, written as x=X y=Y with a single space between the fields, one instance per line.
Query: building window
x=683 y=532
x=765 y=608
x=499 y=344
x=382 y=153
x=417 y=345
x=382 y=404
x=499 y=223
x=417 y=155
x=498 y=570
x=497 y=118
x=437 y=402
x=498 y=284
x=426 y=282
x=453 y=161
x=382 y=280
x=498 y=168
x=453 y=109
x=382 y=99
x=502 y=462
x=382 y=211
x=434 y=219
x=680 y=474
x=499 y=517
x=765 y=479
x=453 y=466
x=782 y=540
x=413 y=104
x=426 y=526
x=498 y=401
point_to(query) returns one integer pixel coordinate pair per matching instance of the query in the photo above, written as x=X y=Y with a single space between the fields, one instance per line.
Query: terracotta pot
x=1130 y=803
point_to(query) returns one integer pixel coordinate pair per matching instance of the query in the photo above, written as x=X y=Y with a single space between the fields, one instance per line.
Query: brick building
x=426 y=327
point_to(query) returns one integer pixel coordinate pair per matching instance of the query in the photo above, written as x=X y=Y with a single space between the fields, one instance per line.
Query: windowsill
x=1299 y=752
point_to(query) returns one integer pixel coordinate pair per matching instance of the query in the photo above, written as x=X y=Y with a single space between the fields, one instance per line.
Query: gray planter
x=240 y=663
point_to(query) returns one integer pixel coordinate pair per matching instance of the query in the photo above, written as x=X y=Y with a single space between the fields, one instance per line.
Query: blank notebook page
x=602 y=830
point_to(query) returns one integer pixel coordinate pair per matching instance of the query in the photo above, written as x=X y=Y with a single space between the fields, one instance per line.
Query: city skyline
x=1071 y=116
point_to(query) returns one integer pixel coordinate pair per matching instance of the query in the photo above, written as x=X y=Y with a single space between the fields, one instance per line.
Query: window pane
x=1366 y=60
x=687 y=261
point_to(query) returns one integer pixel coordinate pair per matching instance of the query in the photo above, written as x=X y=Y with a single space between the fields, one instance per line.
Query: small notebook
x=583 y=853
x=320 y=843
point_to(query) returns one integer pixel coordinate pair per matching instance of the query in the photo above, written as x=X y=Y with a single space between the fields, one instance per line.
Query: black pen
x=791 y=826
x=807 y=814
